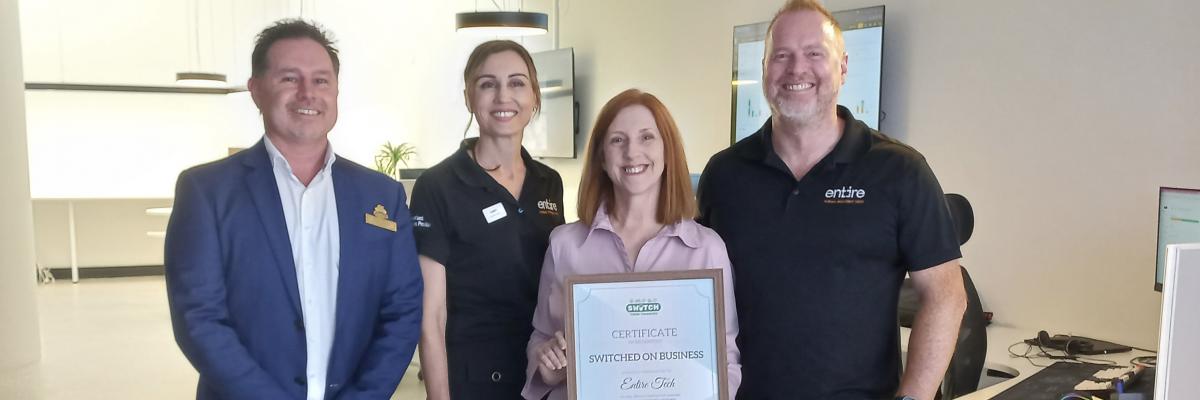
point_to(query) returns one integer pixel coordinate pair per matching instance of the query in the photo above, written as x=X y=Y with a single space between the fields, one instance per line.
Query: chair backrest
x=966 y=365
x=963 y=216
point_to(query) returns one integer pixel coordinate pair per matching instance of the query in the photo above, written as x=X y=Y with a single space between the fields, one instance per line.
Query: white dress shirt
x=312 y=224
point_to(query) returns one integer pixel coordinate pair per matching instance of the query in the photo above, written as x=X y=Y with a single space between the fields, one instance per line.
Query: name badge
x=379 y=218
x=494 y=212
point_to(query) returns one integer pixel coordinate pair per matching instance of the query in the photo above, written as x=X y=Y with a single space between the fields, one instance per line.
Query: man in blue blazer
x=291 y=272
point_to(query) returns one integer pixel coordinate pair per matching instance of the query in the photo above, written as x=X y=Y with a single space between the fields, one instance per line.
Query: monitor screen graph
x=862 y=30
x=1178 y=223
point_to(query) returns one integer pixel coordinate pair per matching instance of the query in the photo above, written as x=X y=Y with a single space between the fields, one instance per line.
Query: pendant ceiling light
x=502 y=23
x=195 y=77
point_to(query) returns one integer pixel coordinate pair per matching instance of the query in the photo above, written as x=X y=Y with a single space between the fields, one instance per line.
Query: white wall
x=119 y=41
x=401 y=82
x=20 y=343
x=1058 y=120
x=118 y=152
x=121 y=145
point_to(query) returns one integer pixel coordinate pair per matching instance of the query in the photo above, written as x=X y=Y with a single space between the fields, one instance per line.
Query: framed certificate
x=646 y=336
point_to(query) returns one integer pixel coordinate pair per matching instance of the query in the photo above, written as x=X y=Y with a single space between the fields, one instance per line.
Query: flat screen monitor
x=551 y=133
x=863 y=31
x=1178 y=223
x=1178 y=349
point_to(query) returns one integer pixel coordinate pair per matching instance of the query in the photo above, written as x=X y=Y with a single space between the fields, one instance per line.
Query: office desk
x=999 y=338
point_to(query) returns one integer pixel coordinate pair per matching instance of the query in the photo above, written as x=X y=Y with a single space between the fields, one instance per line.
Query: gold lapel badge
x=380 y=218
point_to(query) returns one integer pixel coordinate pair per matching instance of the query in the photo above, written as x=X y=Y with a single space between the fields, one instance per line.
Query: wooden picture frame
x=652 y=349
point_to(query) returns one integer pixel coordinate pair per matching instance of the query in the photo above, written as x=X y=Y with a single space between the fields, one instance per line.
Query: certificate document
x=646 y=336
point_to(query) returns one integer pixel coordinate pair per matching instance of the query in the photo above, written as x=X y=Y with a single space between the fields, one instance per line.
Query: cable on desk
x=1144 y=361
x=1025 y=355
x=1070 y=396
x=1097 y=361
x=1042 y=353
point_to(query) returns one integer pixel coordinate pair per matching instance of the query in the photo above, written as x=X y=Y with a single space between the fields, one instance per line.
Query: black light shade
x=503 y=23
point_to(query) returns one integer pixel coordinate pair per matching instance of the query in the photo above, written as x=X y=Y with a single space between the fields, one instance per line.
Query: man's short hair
x=808 y=5
x=289 y=29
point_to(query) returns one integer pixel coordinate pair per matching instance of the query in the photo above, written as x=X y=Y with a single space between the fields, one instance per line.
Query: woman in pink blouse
x=636 y=208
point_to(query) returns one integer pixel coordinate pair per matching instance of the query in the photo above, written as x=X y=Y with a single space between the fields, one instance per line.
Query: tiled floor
x=111 y=339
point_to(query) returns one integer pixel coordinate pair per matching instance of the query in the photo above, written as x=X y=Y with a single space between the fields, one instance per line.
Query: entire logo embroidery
x=419 y=222
x=845 y=195
x=547 y=207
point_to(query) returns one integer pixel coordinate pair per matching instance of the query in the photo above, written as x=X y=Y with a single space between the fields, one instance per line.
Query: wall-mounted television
x=863 y=31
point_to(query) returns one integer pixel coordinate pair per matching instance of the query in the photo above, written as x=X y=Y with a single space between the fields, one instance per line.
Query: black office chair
x=966 y=365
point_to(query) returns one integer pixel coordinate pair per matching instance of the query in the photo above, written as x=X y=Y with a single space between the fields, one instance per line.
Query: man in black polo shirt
x=823 y=216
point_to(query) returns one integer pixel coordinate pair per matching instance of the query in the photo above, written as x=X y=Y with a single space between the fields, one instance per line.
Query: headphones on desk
x=1071 y=345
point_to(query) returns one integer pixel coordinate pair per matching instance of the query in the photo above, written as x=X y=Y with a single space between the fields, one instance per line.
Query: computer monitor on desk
x=1178 y=344
x=1178 y=222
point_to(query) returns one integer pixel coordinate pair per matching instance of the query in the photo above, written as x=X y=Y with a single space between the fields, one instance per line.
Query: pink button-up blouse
x=576 y=249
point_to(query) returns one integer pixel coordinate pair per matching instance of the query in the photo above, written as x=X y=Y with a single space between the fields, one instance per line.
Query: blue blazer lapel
x=351 y=275
x=260 y=182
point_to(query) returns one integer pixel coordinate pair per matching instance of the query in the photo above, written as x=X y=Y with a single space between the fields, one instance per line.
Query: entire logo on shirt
x=845 y=195
x=643 y=307
x=547 y=207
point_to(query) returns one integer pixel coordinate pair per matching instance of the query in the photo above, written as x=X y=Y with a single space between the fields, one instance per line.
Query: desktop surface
x=1061 y=377
x=998 y=358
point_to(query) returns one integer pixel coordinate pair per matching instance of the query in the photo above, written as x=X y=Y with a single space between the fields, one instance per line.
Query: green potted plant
x=391 y=157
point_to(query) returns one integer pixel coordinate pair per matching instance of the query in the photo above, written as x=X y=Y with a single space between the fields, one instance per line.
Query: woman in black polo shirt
x=482 y=219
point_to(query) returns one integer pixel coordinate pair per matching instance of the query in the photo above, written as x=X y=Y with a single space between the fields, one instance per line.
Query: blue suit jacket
x=231 y=284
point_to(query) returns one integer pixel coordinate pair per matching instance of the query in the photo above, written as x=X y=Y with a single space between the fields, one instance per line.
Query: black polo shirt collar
x=854 y=142
x=472 y=174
